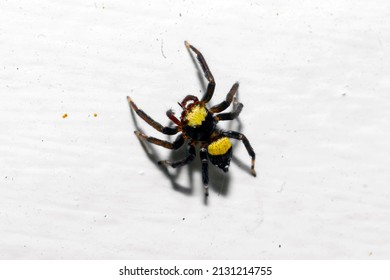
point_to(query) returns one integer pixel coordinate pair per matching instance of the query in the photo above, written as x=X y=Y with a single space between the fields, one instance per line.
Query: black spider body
x=198 y=124
x=222 y=161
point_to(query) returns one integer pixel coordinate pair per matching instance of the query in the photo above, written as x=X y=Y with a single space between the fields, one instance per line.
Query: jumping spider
x=198 y=125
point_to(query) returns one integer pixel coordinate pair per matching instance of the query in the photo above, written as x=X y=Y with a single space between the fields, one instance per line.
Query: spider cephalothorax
x=198 y=124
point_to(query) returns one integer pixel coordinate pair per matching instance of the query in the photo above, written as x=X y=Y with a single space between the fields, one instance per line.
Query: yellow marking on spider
x=219 y=147
x=196 y=115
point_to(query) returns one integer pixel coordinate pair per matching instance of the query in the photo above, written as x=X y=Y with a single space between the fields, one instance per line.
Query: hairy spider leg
x=205 y=169
x=231 y=115
x=207 y=73
x=163 y=129
x=188 y=98
x=172 y=117
x=245 y=141
x=173 y=146
x=226 y=103
x=190 y=157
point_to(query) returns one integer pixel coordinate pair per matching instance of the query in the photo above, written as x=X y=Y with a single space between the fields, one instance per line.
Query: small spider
x=198 y=125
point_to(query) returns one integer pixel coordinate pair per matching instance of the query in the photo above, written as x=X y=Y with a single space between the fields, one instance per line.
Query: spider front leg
x=211 y=86
x=245 y=141
x=190 y=157
x=163 y=129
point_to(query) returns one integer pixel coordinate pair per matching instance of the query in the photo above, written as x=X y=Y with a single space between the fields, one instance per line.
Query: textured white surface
x=314 y=80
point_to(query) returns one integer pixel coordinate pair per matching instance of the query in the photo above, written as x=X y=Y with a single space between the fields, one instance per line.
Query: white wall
x=314 y=80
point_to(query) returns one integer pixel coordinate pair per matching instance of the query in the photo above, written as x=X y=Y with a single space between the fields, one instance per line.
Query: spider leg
x=245 y=141
x=207 y=73
x=164 y=129
x=188 y=98
x=190 y=157
x=230 y=116
x=173 y=146
x=172 y=117
x=226 y=103
x=205 y=169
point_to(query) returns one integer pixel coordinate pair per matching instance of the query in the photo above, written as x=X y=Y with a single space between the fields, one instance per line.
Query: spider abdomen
x=219 y=147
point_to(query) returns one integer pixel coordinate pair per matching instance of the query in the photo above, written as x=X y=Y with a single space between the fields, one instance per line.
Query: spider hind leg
x=245 y=141
x=205 y=170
